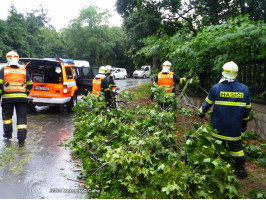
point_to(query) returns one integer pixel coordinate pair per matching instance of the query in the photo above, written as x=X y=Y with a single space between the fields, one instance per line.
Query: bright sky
x=61 y=11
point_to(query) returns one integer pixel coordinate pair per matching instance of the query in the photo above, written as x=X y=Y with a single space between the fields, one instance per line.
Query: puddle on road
x=15 y=157
x=43 y=164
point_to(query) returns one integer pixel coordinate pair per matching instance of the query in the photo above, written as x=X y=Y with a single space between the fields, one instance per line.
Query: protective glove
x=201 y=115
x=244 y=125
x=188 y=77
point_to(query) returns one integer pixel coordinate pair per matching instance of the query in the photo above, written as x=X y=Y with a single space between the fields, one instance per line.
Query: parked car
x=56 y=82
x=119 y=73
x=143 y=72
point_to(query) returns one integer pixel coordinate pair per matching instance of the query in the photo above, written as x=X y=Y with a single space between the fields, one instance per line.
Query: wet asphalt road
x=43 y=169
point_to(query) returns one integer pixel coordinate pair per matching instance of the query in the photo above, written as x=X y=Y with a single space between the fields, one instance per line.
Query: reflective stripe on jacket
x=231 y=102
x=96 y=86
x=167 y=81
x=14 y=85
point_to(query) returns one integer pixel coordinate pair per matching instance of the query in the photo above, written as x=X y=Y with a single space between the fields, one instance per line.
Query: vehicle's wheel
x=72 y=103
x=144 y=76
x=125 y=77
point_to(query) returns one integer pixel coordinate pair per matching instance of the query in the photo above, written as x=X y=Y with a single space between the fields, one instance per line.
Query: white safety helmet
x=230 y=70
x=102 y=70
x=12 y=58
x=108 y=69
x=166 y=67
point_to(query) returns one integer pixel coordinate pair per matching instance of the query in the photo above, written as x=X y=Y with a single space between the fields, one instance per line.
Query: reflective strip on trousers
x=237 y=154
x=17 y=95
x=226 y=137
x=9 y=121
x=22 y=126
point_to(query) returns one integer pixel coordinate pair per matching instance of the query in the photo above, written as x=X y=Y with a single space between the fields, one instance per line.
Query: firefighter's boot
x=240 y=171
x=21 y=143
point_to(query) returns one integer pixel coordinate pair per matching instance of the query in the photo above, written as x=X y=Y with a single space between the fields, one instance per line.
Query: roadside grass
x=254 y=186
x=141 y=92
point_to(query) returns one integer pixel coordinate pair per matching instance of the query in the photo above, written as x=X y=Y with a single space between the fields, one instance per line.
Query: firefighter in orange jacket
x=15 y=84
x=100 y=85
x=167 y=79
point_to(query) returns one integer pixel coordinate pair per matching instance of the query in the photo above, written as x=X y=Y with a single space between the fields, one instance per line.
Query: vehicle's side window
x=118 y=71
x=69 y=73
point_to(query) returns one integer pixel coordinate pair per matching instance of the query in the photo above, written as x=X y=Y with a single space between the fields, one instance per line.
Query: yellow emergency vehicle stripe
x=225 y=137
x=248 y=106
x=17 y=95
x=9 y=121
x=209 y=101
x=1 y=81
x=22 y=126
x=237 y=154
x=15 y=71
x=230 y=103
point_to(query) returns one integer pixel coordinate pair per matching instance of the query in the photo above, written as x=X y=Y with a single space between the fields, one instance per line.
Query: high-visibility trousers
x=236 y=151
x=7 y=113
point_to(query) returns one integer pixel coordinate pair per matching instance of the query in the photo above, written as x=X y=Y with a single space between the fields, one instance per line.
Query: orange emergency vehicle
x=53 y=82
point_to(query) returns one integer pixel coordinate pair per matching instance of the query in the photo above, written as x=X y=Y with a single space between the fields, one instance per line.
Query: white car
x=119 y=73
x=143 y=72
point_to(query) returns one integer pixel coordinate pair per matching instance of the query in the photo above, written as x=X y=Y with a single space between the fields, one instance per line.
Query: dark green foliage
x=131 y=153
x=239 y=39
x=28 y=35
x=254 y=148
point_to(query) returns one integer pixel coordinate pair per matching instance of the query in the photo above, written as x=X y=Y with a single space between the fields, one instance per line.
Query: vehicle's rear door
x=46 y=77
x=83 y=77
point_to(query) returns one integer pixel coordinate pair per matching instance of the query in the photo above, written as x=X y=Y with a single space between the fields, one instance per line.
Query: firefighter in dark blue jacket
x=231 y=100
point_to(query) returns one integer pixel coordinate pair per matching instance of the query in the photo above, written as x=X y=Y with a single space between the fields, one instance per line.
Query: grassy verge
x=141 y=92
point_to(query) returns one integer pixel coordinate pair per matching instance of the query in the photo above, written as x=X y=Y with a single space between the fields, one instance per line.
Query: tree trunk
x=155 y=64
